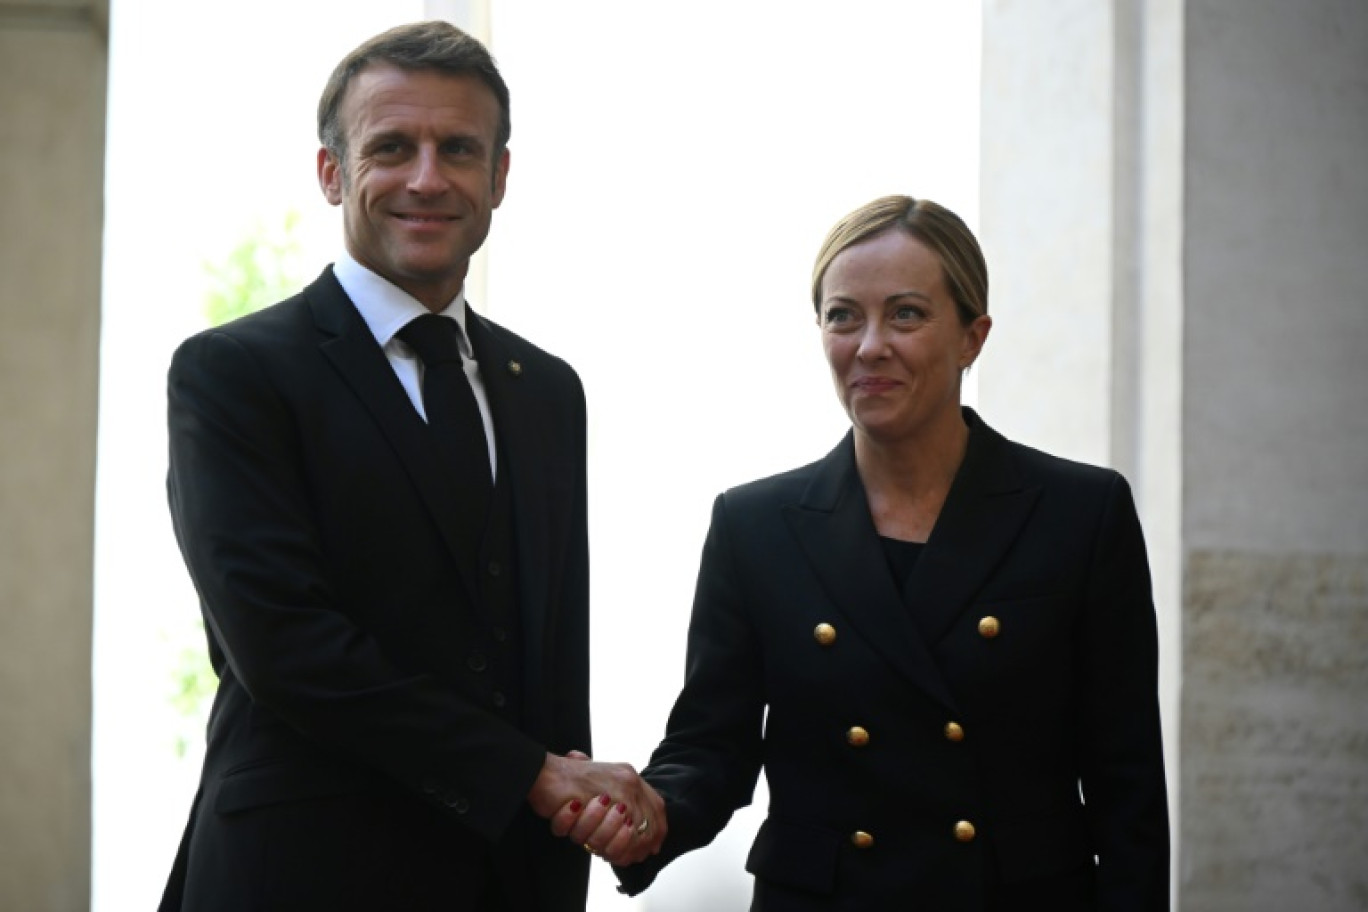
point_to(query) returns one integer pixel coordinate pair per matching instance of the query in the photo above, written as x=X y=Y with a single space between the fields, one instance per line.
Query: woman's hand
x=619 y=833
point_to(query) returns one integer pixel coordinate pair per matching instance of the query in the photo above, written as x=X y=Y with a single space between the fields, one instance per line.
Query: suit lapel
x=834 y=527
x=983 y=514
x=352 y=350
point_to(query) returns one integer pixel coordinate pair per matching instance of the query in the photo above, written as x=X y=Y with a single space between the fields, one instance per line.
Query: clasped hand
x=605 y=807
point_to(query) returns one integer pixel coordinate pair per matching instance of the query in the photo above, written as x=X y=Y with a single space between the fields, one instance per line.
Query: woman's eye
x=908 y=314
x=836 y=316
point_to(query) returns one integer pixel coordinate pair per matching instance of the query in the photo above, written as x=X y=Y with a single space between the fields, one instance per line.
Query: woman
x=953 y=634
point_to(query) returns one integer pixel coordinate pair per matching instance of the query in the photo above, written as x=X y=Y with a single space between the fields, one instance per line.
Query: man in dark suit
x=380 y=497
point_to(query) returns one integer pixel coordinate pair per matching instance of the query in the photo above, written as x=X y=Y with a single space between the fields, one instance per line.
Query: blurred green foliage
x=264 y=267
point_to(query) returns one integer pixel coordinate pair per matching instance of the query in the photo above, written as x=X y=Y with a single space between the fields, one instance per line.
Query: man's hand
x=606 y=807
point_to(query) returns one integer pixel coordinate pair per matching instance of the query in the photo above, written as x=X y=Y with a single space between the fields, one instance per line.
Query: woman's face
x=893 y=337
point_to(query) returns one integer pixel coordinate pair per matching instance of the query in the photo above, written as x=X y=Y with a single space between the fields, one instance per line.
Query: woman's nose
x=873 y=342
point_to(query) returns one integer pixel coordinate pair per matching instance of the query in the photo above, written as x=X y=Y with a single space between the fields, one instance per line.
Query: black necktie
x=449 y=402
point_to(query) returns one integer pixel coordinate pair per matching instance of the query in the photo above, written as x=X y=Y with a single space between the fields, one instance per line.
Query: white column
x=52 y=92
x=1082 y=184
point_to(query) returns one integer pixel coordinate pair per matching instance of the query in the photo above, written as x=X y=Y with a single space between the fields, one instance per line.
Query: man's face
x=421 y=178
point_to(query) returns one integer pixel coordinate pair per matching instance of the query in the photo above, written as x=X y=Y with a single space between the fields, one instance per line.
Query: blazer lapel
x=983 y=514
x=521 y=461
x=834 y=527
x=352 y=350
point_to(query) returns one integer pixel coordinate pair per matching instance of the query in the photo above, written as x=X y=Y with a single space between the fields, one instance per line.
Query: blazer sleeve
x=240 y=510
x=708 y=763
x=1122 y=767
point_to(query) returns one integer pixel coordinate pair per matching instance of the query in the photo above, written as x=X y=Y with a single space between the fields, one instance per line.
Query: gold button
x=857 y=736
x=964 y=831
x=954 y=731
x=989 y=627
x=825 y=634
x=515 y=368
x=861 y=840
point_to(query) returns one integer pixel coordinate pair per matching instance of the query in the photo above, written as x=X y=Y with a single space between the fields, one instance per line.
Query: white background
x=674 y=169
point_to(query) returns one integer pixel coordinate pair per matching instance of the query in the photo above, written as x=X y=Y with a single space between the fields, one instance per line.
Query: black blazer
x=356 y=742
x=1018 y=665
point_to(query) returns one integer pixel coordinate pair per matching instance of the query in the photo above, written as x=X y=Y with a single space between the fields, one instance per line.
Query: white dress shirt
x=386 y=308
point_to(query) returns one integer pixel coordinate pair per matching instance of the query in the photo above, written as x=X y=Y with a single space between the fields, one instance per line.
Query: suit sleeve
x=1122 y=764
x=242 y=518
x=710 y=759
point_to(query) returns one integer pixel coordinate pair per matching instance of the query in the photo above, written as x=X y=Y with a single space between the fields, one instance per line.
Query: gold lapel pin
x=515 y=368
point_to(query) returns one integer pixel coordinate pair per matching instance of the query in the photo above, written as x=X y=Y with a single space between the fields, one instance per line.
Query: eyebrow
x=897 y=296
x=394 y=135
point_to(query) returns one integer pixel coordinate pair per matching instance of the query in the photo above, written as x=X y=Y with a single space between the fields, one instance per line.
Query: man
x=383 y=512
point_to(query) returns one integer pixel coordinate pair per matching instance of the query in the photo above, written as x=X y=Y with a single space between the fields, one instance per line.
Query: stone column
x=1275 y=457
x=52 y=121
x=1173 y=204
x=1082 y=228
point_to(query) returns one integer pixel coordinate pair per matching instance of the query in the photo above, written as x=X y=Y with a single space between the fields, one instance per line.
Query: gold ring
x=643 y=826
x=590 y=849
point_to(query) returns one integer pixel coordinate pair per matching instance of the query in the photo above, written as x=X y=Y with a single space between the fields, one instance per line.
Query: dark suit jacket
x=360 y=754
x=1064 y=695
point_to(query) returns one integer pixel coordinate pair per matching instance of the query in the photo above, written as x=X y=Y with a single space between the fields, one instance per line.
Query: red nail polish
x=627 y=822
x=621 y=808
x=605 y=800
x=575 y=807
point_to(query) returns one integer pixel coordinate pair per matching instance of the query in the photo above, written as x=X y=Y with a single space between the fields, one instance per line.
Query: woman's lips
x=874 y=384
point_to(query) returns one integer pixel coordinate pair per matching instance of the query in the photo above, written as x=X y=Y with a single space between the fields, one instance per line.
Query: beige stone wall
x=1275 y=731
x=52 y=119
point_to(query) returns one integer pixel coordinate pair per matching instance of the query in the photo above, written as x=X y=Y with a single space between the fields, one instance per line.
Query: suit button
x=494 y=568
x=457 y=803
x=499 y=634
x=861 y=840
x=477 y=662
x=964 y=831
x=989 y=627
x=498 y=699
x=429 y=786
x=954 y=731
x=857 y=736
x=824 y=634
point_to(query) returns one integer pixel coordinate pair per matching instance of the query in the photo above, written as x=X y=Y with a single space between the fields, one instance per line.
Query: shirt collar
x=386 y=307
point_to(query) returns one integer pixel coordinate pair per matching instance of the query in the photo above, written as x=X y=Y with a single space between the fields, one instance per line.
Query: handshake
x=605 y=807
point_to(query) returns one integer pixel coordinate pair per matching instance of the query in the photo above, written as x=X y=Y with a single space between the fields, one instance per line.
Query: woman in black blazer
x=940 y=645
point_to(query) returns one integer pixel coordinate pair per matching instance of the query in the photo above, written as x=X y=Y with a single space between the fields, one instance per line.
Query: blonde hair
x=966 y=273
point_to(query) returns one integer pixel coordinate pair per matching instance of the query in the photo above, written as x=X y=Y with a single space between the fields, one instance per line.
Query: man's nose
x=426 y=176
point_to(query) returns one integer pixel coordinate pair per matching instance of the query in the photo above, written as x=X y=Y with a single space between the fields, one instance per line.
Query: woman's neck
x=907 y=480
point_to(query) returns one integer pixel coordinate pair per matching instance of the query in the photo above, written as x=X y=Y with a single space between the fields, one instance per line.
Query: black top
x=902 y=557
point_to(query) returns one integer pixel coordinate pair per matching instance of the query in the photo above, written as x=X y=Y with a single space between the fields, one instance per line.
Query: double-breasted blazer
x=986 y=737
x=378 y=722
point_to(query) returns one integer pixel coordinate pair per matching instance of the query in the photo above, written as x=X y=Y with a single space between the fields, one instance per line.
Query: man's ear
x=500 y=177
x=330 y=177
